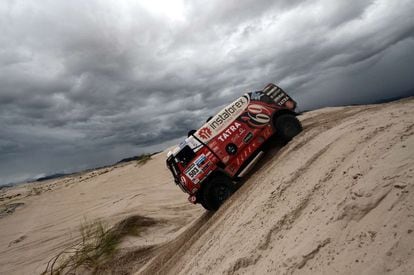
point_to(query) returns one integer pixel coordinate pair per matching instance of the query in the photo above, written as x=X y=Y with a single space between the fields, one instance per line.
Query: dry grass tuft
x=97 y=245
x=143 y=159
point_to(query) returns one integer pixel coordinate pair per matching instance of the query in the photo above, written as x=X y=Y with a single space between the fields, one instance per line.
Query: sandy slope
x=339 y=198
x=49 y=222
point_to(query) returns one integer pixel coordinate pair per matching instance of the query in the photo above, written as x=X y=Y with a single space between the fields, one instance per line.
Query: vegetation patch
x=144 y=159
x=97 y=245
x=140 y=159
x=8 y=209
x=35 y=190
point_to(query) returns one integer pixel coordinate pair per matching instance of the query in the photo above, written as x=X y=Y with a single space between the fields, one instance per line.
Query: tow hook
x=192 y=199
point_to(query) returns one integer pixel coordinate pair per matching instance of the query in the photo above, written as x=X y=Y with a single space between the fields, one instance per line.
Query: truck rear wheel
x=216 y=192
x=287 y=126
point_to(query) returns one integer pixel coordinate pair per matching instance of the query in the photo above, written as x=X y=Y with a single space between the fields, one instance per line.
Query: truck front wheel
x=287 y=126
x=216 y=192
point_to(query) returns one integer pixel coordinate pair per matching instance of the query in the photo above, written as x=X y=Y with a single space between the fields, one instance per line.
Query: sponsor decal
x=229 y=131
x=248 y=137
x=193 y=171
x=205 y=167
x=257 y=115
x=230 y=111
x=223 y=119
x=195 y=168
x=283 y=100
x=201 y=160
x=205 y=133
x=189 y=168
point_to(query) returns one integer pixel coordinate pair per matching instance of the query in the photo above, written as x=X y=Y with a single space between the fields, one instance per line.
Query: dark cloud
x=85 y=83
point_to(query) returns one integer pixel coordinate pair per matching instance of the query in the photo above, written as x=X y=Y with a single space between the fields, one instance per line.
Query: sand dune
x=339 y=198
x=336 y=199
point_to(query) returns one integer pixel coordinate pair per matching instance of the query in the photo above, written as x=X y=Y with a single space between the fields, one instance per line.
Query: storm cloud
x=86 y=83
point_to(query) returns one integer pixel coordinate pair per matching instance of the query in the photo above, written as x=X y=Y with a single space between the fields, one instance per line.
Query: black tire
x=287 y=126
x=205 y=204
x=216 y=192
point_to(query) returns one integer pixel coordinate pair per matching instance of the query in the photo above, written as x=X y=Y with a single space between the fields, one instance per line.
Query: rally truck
x=207 y=164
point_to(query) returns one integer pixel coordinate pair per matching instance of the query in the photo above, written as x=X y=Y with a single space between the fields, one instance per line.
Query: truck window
x=185 y=155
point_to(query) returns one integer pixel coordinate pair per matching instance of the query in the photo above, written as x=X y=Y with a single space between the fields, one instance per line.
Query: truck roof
x=226 y=116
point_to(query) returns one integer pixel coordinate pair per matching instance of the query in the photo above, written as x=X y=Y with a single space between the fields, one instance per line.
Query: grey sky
x=86 y=83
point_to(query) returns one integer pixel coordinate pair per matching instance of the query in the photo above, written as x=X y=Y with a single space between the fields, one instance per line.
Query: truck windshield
x=185 y=155
x=173 y=168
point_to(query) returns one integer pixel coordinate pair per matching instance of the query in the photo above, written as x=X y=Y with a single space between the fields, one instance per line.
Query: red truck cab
x=227 y=146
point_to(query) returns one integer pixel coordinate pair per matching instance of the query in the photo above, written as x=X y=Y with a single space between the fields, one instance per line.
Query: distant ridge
x=53 y=176
x=129 y=159
x=395 y=98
